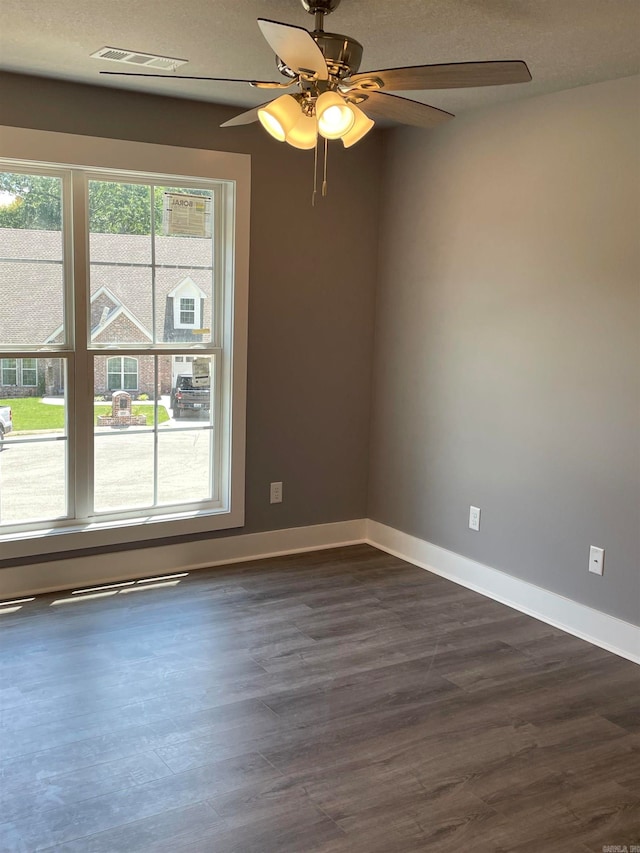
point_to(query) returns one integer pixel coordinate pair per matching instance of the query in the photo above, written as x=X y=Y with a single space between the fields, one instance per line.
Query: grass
x=30 y=413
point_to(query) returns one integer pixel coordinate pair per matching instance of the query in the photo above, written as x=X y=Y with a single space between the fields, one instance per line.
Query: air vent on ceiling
x=135 y=57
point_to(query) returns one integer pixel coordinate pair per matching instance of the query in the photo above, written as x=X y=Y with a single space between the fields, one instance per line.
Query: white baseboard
x=591 y=625
x=83 y=571
x=614 y=635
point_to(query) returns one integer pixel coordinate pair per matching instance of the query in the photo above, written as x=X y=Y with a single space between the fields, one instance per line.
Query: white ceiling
x=566 y=43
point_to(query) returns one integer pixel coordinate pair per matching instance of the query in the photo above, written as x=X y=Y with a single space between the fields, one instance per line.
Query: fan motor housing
x=325 y=7
x=343 y=55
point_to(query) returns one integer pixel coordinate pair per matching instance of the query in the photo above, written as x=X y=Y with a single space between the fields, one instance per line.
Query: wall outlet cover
x=275 y=493
x=596 y=560
x=474 y=518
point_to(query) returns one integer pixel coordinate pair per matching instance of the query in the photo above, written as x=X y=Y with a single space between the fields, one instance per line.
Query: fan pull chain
x=315 y=175
x=324 y=177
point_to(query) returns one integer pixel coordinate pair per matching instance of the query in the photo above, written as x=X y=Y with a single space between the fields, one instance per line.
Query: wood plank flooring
x=334 y=702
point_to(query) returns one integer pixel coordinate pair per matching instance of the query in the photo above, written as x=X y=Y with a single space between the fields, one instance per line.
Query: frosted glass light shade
x=361 y=127
x=280 y=116
x=304 y=133
x=335 y=116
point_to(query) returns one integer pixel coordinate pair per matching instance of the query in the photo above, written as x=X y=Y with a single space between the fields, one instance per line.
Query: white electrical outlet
x=275 y=494
x=474 y=518
x=596 y=560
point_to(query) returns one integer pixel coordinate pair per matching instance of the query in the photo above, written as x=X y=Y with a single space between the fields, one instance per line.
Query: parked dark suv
x=186 y=398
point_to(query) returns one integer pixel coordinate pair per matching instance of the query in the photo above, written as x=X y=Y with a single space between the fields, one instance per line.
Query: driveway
x=32 y=474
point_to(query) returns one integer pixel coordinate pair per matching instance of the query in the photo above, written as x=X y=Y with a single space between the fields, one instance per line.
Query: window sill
x=56 y=540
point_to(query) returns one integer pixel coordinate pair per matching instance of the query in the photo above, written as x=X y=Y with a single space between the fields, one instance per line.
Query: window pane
x=31 y=203
x=31 y=271
x=126 y=463
x=33 y=461
x=120 y=254
x=192 y=390
x=195 y=226
x=32 y=481
x=184 y=465
x=117 y=209
x=125 y=283
x=123 y=469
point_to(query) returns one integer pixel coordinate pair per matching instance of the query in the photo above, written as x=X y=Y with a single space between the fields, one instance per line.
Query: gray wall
x=507 y=370
x=311 y=292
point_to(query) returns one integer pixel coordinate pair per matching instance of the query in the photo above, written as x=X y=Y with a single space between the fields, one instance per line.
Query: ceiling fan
x=331 y=99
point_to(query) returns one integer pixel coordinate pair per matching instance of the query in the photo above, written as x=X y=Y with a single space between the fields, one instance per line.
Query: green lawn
x=30 y=413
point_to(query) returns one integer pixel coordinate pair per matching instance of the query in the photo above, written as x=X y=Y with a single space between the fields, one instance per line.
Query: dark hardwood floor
x=334 y=702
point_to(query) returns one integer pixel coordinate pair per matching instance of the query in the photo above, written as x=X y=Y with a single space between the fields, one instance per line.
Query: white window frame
x=40 y=149
x=19 y=371
x=3 y=368
x=122 y=372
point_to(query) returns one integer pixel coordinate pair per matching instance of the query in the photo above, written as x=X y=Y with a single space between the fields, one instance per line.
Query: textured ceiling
x=566 y=43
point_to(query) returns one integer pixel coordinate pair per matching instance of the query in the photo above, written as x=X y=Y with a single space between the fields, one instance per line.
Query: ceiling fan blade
x=380 y=105
x=453 y=75
x=295 y=47
x=244 y=118
x=264 y=83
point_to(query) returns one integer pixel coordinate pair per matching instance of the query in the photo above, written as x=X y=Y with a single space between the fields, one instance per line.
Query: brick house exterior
x=128 y=300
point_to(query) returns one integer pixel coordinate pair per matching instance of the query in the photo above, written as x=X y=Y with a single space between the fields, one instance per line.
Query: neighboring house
x=129 y=297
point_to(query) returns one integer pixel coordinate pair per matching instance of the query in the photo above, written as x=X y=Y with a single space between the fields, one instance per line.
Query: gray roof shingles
x=31 y=291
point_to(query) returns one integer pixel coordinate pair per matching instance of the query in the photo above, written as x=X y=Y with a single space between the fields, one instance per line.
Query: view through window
x=111 y=346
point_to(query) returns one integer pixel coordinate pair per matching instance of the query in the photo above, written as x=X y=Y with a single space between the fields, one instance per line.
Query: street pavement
x=33 y=480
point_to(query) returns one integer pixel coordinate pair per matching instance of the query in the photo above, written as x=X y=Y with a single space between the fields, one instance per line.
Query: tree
x=116 y=208
x=30 y=201
x=35 y=201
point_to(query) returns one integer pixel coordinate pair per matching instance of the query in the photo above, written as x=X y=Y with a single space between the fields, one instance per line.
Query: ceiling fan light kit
x=334 y=115
x=333 y=100
x=362 y=125
x=304 y=134
x=280 y=116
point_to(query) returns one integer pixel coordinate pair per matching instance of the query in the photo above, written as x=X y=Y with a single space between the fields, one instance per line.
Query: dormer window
x=187 y=305
x=187 y=311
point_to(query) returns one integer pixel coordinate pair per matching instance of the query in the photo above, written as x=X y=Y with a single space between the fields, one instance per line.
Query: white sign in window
x=186 y=215
x=201 y=373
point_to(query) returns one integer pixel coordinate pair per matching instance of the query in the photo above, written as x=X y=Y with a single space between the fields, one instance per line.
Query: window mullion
x=81 y=407
x=154 y=331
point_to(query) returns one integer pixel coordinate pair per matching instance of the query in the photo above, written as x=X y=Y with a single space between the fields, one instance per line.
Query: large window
x=97 y=321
